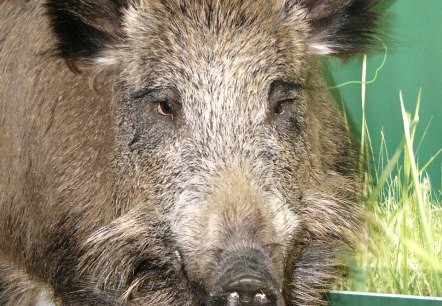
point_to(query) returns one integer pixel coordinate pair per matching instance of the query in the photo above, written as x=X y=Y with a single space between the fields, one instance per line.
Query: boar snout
x=234 y=241
x=246 y=279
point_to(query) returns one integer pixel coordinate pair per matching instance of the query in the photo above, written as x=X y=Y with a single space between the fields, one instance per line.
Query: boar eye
x=166 y=108
x=165 y=101
x=282 y=93
x=279 y=106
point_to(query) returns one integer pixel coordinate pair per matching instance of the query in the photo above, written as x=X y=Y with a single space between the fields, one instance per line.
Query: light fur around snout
x=236 y=216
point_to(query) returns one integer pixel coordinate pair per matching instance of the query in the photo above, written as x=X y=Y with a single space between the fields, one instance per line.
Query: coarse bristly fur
x=208 y=135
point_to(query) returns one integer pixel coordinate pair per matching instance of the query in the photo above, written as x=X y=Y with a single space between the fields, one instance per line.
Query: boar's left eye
x=279 y=106
x=281 y=94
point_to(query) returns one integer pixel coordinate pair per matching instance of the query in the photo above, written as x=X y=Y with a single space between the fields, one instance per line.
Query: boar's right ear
x=85 y=28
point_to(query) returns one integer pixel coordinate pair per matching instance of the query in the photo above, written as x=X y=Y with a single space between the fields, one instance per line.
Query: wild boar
x=179 y=152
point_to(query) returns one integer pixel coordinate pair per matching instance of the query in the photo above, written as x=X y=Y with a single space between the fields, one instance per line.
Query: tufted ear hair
x=85 y=28
x=337 y=26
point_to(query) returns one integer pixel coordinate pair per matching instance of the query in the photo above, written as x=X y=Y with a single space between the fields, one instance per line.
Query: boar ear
x=338 y=26
x=85 y=28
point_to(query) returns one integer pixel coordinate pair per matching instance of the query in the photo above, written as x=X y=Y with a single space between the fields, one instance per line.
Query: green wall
x=339 y=298
x=413 y=33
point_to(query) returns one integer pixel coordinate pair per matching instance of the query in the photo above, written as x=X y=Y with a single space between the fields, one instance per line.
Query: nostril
x=233 y=299
x=261 y=299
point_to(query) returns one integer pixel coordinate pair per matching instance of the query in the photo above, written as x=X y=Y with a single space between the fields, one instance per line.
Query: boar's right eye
x=164 y=101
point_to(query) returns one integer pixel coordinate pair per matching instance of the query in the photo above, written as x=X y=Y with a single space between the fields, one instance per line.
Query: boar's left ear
x=85 y=28
x=337 y=26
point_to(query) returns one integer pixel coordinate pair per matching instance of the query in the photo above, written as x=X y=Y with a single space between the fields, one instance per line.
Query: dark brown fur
x=106 y=202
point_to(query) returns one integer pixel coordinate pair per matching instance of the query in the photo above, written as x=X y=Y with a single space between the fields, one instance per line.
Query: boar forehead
x=210 y=50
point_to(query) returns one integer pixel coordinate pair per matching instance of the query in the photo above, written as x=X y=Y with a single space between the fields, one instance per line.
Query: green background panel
x=413 y=33
x=367 y=299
